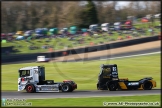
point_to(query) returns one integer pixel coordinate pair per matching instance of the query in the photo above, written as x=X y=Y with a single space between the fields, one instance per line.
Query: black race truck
x=108 y=80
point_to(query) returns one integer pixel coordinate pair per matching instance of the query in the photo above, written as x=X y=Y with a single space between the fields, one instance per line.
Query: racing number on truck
x=36 y=72
x=114 y=68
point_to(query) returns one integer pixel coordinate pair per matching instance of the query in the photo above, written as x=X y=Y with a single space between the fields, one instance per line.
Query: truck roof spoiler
x=148 y=78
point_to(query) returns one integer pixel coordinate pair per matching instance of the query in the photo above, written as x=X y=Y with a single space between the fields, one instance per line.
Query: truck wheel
x=147 y=85
x=98 y=87
x=112 y=86
x=71 y=90
x=66 y=88
x=103 y=87
x=30 y=88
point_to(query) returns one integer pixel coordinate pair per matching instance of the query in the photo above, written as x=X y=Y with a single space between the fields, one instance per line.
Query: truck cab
x=32 y=79
x=108 y=72
x=108 y=80
x=32 y=75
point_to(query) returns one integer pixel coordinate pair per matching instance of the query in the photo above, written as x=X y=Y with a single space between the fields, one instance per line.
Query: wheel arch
x=112 y=82
x=70 y=87
x=30 y=84
x=34 y=89
x=142 y=84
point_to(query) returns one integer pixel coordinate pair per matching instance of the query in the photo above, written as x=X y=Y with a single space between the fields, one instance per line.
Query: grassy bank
x=98 y=101
x=61 y=43
x=85 y=73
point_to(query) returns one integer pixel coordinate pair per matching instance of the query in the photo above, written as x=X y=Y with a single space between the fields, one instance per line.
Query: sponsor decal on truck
x=133 y=83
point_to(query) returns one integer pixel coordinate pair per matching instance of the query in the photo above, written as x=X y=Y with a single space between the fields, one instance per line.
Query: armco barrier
x=25 y=57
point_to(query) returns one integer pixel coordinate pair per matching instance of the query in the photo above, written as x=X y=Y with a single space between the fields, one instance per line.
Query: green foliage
x=91 y=13
x=24 y=15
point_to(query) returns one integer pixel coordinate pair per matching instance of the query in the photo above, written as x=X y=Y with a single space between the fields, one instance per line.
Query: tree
x=114 y=11
x=89 y=14
x=100 y=11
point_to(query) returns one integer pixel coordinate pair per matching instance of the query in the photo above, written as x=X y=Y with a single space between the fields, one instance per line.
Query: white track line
x=133 y=55
x=94 y=96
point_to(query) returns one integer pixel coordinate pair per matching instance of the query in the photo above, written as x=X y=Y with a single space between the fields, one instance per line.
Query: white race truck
x=32 y=79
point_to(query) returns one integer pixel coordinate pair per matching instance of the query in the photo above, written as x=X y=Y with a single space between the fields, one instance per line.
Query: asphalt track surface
x=79 y=94
x=97 y=58
x=117 y=55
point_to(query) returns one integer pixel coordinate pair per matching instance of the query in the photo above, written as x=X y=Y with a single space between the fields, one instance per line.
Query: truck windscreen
x=106 y=70
x=24 y=73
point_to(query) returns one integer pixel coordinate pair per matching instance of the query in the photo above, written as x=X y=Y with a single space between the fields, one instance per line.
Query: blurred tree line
x=25 y=15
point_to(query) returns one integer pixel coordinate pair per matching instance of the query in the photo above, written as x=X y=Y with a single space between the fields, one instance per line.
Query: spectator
x=64 y=53
x=43 y=47
x=50 y=50
x=119 y=38
x=91 y=43
x=128 y=37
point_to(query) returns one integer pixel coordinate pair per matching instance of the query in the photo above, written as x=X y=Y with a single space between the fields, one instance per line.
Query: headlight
x=19 y=80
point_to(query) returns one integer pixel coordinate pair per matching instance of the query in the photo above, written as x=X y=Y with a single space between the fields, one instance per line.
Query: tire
x=147 y=85
x=98 y=87
x=112 y=86
x=66 y=87
x=30 y=88
x=104 y=87
x=71 y=90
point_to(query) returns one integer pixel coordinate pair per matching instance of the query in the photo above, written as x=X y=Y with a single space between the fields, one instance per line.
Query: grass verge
x=85 y=74
x=99 y=101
